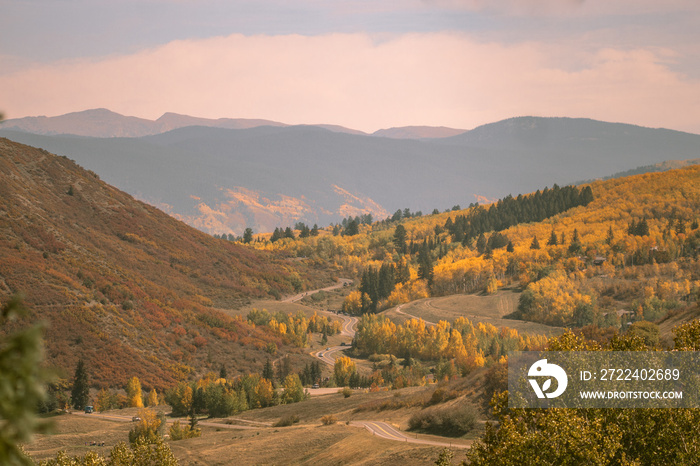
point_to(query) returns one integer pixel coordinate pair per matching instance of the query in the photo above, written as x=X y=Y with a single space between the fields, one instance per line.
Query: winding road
x=378 y=428
x=328 y=355
x=298 y=297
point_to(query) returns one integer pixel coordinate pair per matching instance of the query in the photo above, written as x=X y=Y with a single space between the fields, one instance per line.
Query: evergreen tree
x=80 y=394
x=403 y=272
x=248 y=235
x=425 y=263
x=552 y=239
x=535 y=244
x=315 y=372
x=288 y=233
x=277 y=234
x=222 y=372
x=510 y=247
x=481 y=243
x=575 y=246
x=386 y=280
x=314 y=230
x=400 y=238
x=268 y=372
x=352 y=229
x=643 y=228
x=497 y=241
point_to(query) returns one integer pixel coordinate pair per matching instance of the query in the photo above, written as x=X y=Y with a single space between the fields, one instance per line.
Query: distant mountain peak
x=418 y=132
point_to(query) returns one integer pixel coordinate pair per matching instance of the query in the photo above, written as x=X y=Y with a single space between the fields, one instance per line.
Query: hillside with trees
x=123 y=286
x=604 y=255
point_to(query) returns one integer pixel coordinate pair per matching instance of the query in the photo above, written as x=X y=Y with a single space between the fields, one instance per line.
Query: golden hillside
x=630 y=253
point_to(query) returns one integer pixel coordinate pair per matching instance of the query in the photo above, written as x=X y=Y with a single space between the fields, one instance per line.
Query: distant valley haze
x=223 y=175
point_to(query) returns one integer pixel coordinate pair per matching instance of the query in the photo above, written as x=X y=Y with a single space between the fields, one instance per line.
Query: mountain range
x=224 y=179
x=104 y=123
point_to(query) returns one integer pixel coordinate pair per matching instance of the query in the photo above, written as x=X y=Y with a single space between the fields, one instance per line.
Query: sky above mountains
x=361 y=64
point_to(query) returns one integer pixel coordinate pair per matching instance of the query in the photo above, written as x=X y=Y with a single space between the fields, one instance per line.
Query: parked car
x=135 y=418
x=89 y=409
x=315 y=386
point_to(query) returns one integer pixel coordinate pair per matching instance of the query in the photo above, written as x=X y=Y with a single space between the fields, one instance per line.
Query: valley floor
x=243 y=442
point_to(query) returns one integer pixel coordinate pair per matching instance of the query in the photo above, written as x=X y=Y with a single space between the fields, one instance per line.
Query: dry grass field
x=307 y=442
x=477 y=308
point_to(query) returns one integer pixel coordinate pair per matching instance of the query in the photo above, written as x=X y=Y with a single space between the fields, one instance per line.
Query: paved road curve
x=330 y=354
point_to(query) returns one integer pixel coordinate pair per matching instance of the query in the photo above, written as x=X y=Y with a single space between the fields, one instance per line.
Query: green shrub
x=453 y=421
x=287 y=421
x=178 y=432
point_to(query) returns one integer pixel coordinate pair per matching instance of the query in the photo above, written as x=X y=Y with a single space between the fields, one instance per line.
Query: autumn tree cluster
x=465 y=344
x=295 y=329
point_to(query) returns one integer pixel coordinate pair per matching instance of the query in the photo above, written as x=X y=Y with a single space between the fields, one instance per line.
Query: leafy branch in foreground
x=21 y=385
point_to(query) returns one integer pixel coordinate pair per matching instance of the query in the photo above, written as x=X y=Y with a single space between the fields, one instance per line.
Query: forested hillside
x=123 y=286
x=607 y=254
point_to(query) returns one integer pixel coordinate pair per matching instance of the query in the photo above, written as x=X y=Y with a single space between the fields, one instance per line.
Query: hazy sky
x=361 y=64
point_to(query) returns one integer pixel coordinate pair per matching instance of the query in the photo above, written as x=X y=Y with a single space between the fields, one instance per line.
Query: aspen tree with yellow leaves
x=134 y=395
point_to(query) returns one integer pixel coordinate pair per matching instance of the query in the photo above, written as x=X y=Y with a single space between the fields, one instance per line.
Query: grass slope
x=490 y=309
x=121 y=284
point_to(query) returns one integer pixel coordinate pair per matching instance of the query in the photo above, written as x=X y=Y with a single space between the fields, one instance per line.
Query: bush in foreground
x=140 y=453
x=328 y=420
x=177 y=432
x=453 y=421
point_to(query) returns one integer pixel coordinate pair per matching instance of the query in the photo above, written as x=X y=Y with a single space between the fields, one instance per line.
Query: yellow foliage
x=153 y=398
x=134 y=394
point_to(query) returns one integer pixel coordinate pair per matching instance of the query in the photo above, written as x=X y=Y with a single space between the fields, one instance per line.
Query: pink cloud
x=365 y=82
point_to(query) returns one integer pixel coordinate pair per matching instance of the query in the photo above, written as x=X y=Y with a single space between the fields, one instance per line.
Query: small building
x=599 y=260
